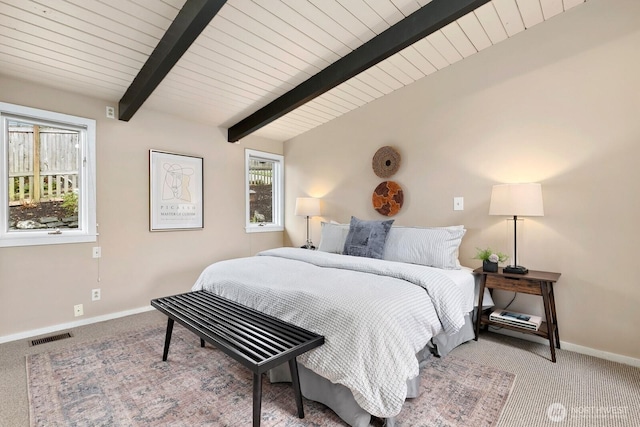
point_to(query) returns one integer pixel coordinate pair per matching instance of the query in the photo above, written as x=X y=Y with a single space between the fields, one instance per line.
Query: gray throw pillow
x=367 y=238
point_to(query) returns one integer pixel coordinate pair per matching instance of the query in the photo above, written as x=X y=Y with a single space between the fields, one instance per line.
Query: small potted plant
x=490 y=259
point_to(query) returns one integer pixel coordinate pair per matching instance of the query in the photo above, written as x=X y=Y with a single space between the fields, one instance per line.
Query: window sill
x=25 y=240
x=264 y=229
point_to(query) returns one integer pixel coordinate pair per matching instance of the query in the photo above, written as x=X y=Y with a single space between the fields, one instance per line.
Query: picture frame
x=175 y=191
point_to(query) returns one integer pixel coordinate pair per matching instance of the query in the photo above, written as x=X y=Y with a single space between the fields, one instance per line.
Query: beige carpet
x=122 y=381
x=577 y=391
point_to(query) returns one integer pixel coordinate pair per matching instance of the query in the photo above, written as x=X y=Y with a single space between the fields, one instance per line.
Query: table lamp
x=516 y=200
x=307 y=207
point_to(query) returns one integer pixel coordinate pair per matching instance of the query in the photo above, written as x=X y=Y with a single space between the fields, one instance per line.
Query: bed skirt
x=340 y=399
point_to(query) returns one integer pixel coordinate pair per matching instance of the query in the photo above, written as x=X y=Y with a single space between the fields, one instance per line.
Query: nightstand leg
x=552 y=301
x=550 y=324
x=483 y=279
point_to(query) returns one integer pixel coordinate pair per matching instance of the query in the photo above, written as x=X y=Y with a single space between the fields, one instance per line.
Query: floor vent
x=52 y=338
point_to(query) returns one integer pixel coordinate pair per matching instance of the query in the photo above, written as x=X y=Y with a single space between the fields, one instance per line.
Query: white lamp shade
x=307 y=206
x=516 y=200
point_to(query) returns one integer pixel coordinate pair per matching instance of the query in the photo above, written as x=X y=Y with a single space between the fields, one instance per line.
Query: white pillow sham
x=431 y=246
x=332 y=237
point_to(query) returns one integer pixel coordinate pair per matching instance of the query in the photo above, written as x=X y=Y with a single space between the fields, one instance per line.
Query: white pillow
x=332 y=237
x=431 y=246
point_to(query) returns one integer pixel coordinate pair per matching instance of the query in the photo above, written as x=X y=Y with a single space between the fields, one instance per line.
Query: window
x=47 y=189
x=264 y=191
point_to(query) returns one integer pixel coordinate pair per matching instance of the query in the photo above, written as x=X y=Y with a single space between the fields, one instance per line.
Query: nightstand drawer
x=523 y=285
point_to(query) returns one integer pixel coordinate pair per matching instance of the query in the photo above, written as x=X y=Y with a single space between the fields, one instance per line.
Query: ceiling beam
x=192 y=19
x=426 y=20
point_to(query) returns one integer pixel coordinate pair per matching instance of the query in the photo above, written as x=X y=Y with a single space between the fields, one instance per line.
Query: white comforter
x=375 y=315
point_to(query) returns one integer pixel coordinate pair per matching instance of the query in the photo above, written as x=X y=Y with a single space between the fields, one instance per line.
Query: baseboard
x=75 y=324
x=601 y=354
x=573 y=347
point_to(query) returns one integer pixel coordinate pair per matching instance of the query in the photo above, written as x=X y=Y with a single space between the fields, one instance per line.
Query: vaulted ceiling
x=253 y=53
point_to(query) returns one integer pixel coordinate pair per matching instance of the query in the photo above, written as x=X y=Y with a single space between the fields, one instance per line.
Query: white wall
x=39 y=285
x=557 y=104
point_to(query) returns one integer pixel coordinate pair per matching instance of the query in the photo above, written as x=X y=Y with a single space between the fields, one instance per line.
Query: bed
x=383 y=310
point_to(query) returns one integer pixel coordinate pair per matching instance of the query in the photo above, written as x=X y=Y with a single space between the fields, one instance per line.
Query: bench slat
x=294 y=333
x=244 y=326
x=227 y=331
x=278 y=329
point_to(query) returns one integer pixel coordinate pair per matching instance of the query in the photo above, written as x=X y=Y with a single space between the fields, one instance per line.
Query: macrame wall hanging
x=386 y=162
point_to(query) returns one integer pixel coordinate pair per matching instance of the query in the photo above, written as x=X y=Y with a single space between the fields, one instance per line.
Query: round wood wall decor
x=386 y=162
x=388 y=198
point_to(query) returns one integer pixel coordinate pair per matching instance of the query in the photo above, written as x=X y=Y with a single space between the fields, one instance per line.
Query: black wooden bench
x=256 y=340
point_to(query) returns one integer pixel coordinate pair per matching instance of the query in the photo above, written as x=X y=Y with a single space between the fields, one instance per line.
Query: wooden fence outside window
x=42 y=171
x=260 y=172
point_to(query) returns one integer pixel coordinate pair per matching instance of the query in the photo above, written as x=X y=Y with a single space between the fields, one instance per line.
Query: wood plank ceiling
x=251 y=53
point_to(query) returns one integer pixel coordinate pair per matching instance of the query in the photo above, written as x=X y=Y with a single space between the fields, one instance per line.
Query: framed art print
x=175 y=191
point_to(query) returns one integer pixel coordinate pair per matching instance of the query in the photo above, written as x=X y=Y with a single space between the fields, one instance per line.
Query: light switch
x=458 y=203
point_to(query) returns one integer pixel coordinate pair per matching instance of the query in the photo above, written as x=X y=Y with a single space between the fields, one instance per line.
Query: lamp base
x=308 y=246
x=515 y=269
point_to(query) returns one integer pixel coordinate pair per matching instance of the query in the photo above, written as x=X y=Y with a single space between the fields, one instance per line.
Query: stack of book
x=521 y=320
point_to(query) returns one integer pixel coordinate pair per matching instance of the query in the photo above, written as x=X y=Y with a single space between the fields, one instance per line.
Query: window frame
x=277 y=196
x=87 y=229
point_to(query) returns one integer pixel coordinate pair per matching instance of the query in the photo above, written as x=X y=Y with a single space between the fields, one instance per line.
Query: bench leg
x=167 y=339
x=257 y=399
x=201 y=342
x=295 y=383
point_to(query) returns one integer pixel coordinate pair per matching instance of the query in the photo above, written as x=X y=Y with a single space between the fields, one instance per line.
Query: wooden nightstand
x=534 y=283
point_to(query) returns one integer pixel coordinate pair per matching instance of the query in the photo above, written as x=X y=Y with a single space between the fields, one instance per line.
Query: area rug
x=122 y=381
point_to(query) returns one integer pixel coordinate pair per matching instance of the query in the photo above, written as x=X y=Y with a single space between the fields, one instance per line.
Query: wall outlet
x=95 y=294
x=111 y=112
x=458 y=203
x=78 y=310
x=97 y=251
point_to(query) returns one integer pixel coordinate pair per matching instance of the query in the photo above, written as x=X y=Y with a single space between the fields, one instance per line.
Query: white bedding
x=375 y=315
x=466 y=282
